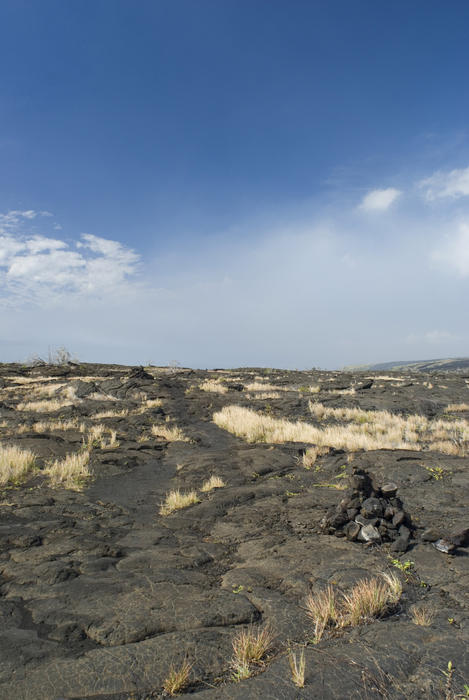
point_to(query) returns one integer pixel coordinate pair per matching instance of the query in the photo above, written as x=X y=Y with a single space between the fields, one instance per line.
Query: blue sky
x=228 y=183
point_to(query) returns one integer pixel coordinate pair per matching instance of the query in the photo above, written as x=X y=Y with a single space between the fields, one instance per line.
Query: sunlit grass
x=15 y=464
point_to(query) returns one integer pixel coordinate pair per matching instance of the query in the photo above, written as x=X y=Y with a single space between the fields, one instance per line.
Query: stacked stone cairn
x=370 y=513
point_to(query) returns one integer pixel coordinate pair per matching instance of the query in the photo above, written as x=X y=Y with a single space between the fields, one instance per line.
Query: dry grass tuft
x=367 y=430
x=70 y=472
x=323 y=609
x=177 y=678
x=250 y=647
x=368 y=599
x=311 y=455
x=175 y=500
x=172 y=434
x=213 y=385
x=457 y=407
x=97 y=437
x=215 y=482
x=297 y=667
x=422 y=615
x=15 y=464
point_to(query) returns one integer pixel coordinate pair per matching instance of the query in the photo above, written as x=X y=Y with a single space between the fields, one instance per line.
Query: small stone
x=352 y=530
x=399 y=518
x=389 y=490
x=430 y=535
x=404 y=531
x=389 y=513
x=400 y=545
x=444 y=546
x=369 y=534
x=352 y=513
x=365 y=521
x=372 y=508
x=461 y=539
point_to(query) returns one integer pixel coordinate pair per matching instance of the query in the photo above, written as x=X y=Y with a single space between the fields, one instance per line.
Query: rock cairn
x=370 y=513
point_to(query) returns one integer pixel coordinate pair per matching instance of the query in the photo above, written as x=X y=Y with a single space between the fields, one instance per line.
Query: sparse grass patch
x=215 y=482
x=264 y=395
x=44 y=406
x=177 y=678
x=110 y=414
x=213 y=385
x=368 y=599
x=15 y=464
x=170 y=433
x=175 y=500
x=71 y=472
x=457 y=407
x=97 y=437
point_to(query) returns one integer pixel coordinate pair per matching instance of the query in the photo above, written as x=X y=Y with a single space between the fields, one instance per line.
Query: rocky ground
x=101 y=593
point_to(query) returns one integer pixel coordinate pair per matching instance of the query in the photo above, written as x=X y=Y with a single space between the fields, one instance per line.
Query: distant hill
x=445 y=365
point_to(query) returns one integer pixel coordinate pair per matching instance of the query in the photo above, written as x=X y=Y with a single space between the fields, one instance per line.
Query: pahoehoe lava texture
x=100 y=593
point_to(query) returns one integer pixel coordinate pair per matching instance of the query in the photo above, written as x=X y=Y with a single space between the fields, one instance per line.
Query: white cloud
x=455 y=251
x=453 y=184
x=379 y=200
x=34 y=267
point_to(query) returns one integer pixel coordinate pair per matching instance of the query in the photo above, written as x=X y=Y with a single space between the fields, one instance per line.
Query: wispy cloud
x=453 y=184
x=379 y=200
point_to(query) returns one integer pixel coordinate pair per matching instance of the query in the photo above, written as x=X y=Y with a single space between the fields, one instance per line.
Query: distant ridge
x=442 y=365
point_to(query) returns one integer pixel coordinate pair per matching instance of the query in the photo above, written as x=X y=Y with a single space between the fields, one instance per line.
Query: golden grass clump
x=214 y=386
x=15 y=463
x=215 y=482
x=97 y=437
x=457 y=407
x=250 y=647
x=45 y=426
x=367 y=430
x=422 y=615
x=297 y=667
x=368 y=599
x=177 y=678
x=170 y=433
x=44 y=406
x=71 y=472
x=264 y=395
x=175 y=500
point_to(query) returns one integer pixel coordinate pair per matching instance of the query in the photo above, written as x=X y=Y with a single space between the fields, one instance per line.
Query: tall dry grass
x=71 y=472
x=367 y=430
x=15 y=464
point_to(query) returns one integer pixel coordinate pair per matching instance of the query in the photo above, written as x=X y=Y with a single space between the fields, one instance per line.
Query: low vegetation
x=175 y=500
x=71 y=472
x=215 y=482
x=15 y=464
x=177 y=678
x=213 y=385
x=297 y=667
x=250 y=646
x=368 y=599
x=368 y=430
x=169 y=433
